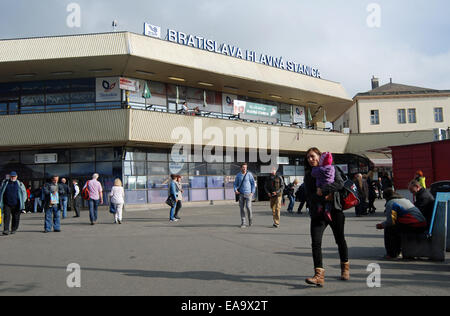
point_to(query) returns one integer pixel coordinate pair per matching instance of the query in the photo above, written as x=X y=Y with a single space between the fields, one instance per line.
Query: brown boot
x=345 y=271
x=318 y=279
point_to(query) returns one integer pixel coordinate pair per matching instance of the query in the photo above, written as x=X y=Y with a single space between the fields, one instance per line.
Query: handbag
x=237 y=196
x=171 y=201
x=112 y=208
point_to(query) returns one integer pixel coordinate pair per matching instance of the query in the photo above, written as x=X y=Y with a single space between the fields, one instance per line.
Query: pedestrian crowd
x=322 y=192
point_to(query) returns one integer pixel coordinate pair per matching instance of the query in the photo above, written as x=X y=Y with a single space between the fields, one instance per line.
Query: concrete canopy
x=137 y=56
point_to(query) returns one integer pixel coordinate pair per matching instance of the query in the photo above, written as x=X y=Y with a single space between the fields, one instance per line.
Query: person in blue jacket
x=173 y=191
x=245 y=188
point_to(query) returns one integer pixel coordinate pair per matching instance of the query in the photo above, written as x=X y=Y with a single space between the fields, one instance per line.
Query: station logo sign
x=152 y=30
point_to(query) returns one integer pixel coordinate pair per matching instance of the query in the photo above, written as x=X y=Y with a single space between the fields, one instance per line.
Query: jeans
x=37 y=201
x=245 y=202
x=318 y=227
x=172 y=211
x=63 y=205
x=291 y=204
x=93 y=210
x=52 y=218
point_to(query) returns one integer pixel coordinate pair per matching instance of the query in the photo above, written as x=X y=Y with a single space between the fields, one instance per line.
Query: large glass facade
x=50 y=96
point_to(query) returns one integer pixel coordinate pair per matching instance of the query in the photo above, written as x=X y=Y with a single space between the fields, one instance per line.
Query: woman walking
x=179 y=184
x=318 y=221
x=117 y=200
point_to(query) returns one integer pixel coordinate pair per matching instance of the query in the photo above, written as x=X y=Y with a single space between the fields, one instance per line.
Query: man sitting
x=401 y=216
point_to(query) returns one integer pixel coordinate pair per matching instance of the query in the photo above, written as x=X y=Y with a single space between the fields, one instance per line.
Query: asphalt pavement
x=206 y=253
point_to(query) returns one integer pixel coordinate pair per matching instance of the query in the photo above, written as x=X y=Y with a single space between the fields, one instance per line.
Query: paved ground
x=204 y=254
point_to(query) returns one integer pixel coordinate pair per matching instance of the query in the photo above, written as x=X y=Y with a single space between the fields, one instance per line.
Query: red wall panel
x=432 y=158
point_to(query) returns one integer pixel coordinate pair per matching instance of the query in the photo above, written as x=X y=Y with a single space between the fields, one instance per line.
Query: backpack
x=85 y=192
x=349 y=195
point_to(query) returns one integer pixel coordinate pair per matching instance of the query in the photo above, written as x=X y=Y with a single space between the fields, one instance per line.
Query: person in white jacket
x=117 y=200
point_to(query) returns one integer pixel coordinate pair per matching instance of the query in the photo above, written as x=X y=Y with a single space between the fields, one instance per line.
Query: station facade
x=113 y=104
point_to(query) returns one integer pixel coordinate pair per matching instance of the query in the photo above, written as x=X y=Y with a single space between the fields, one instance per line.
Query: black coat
x=314 y=200
x=425 y=203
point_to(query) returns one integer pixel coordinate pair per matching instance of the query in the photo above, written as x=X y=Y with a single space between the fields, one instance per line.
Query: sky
x=349 y=41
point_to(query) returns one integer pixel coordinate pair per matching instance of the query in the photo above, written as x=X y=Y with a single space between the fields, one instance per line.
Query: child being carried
x=324 y=174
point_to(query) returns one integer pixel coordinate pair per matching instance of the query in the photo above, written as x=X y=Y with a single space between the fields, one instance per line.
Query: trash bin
x=442 y=186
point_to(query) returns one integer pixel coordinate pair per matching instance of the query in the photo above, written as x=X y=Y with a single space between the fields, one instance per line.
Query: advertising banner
x=228 y=103
x=254 y=109
x=129 y=84
x=107 y=90
x=299 y=116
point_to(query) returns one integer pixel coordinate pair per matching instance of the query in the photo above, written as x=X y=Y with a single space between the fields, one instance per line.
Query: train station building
x=112 y=103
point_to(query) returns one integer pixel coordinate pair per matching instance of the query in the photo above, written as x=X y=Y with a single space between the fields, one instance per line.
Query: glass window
x=158 y=168
x=178 y=168
x=401 y=114
x=135 y=155
x=157 y=156
x=285 y=113
x=3 y=108
x=231 y=169
x=83 y=155
x=82 y=169
x=197 y=182
x=158 y=182
x=27 y=157
x=105 y=154
x=33 y=87
x=83 y=84
x=197 y=169
x=412 y=116
x=57 y=85
x=104 y=168
x=82 y=97
x=57 y=108
x=215 y=169
x=374 y=117
x=82 y=107
x=59 y=170
x=141 y=183
x=9 y=157
x=36 y=171
x=38 y=99
x=129 y=183
x=216 y=182
x=132 y=168
x=59 y=98
x=438 y=115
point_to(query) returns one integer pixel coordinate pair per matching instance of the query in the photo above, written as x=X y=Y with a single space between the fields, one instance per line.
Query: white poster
x=299 y=115
x=107 y=90
x=239 y=107
x=129 y=84
x=228 y=103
